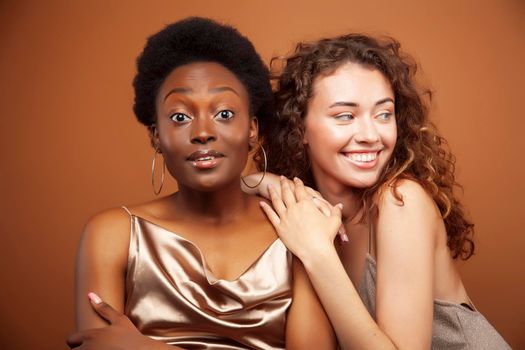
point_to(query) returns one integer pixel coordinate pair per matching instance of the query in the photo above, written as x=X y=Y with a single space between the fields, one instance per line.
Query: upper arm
x=307 y=326
x=406 y=236
x=101 y=265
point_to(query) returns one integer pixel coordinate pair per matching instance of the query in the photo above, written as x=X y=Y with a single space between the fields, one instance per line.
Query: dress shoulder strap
x=127 y=210
x=370 y=237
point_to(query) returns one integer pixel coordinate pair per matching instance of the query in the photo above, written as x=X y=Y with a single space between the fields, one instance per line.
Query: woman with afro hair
x=353 y=124
x=201 y=268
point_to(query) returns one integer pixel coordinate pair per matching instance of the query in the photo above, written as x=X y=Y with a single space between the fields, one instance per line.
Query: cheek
x=315 y=131
x=388 y=135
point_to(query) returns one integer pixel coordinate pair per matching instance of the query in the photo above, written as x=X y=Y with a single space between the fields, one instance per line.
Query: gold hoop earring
x=157 y=151
x=264 y=173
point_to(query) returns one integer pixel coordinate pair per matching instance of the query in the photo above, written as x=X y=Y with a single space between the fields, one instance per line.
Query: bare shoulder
x=410 y=196
x=411 y=216
x=107 y=232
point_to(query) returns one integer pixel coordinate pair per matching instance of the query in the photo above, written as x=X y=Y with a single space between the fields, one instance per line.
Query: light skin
x=204 y=131
x=352 y=110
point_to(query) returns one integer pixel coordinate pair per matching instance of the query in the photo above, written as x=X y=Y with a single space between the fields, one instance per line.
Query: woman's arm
x=101 y=265
x=120 y=334
x=309 y=234
x=307 y=326
x=406 y=236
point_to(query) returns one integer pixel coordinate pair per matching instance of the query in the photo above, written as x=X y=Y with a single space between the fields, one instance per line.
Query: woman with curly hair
x=353 y=124
x=201 y=268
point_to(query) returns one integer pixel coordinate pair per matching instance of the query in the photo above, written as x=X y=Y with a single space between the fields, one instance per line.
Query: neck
x=335 y=192
x=218 y=207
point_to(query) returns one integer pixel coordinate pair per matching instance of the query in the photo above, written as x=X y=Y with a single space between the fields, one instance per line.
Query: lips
x=205 y=159
x=363 y=159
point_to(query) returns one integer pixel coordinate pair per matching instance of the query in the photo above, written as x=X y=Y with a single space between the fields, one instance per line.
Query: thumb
x=103 y=309
x=337 y=211
x=337 y=215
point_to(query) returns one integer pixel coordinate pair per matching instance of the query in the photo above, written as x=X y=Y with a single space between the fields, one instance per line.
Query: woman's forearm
x=354 y=326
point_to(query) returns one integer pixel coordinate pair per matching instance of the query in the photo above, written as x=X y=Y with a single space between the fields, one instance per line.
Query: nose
x=366 y=131
x=203 y=131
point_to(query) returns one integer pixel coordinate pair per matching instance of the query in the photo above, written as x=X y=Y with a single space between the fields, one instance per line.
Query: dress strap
x=371 y=240
x=127 y=210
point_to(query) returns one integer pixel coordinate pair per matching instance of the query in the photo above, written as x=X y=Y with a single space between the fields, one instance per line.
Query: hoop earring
x=157 y=151
x=264 y=173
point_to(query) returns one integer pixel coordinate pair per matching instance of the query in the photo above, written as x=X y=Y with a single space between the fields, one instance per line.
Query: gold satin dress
x=172 y=296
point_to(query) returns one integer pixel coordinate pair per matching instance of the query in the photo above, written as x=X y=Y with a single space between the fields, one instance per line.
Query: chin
x=212 y=184
x=362 y=183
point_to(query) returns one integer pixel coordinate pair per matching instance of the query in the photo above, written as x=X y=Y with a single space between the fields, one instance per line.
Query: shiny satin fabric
x=453 y=327
x=172 y=296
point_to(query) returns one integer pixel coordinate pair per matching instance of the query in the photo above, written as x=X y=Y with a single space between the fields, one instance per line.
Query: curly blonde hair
x=420 y=154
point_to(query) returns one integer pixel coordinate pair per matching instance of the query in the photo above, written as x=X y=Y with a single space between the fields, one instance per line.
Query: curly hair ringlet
x=420 y=154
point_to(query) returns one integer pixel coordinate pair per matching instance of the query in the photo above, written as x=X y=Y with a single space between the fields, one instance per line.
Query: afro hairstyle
x=197 y=39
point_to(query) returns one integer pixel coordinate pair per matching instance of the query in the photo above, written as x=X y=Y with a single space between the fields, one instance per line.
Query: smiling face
x=350 y=127
x=203 y=126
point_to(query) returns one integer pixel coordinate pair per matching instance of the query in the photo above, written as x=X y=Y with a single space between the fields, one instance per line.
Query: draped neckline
x=210 y=275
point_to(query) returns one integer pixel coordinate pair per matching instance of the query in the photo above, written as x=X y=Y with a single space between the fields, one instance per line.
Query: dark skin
x=201 y=107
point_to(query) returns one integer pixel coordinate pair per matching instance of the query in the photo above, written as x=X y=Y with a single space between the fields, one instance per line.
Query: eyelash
x=231 y=114
x=175 y=115
x=187 y=118
x=344 y=117
x=387 y=116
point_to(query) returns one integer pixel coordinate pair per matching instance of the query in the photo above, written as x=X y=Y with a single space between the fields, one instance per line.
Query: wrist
x=313 y=258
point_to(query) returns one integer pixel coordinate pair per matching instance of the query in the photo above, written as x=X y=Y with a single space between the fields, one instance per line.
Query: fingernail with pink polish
x=94 y=298
x=344 y=237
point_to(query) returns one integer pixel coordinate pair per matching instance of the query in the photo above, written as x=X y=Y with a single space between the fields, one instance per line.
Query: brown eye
x=180 y=118
x=224 y=114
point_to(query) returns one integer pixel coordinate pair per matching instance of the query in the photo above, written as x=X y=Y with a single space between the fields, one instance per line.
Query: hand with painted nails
x=120 y=334
x=304 y=226
x=272 y=180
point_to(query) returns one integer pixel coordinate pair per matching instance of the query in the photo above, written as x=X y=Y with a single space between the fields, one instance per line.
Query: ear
x=154 y=136
x=254 y=132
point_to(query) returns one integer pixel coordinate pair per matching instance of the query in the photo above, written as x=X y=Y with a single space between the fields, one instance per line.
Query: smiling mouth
x=362 y=157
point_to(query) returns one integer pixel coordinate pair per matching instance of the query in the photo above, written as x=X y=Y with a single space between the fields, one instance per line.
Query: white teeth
x=202 y=159
x=362 y=157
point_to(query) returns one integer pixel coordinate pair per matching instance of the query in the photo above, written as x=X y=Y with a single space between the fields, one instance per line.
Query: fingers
x=272 y=215
x=277 y=202
x=104 y=310
x=323 y=206
x=343 y=237
x=287 y=192
x=336 y=215
x=300 y=191
x=312 y=192
x=77 y=339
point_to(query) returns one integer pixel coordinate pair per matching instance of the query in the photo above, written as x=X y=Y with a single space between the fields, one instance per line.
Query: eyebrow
x=222 y=89
x=353 y=104
x=186 y=91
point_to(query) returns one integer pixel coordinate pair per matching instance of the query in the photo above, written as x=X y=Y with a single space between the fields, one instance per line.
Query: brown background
x=70 y=145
